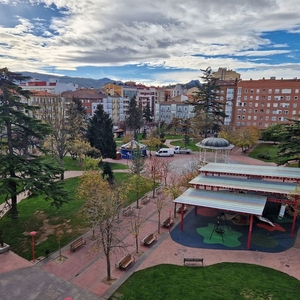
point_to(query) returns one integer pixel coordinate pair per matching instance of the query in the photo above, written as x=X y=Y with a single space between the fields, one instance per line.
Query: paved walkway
x=81 y=274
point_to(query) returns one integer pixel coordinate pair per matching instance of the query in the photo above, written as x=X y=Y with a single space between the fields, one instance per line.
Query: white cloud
x=159 y=33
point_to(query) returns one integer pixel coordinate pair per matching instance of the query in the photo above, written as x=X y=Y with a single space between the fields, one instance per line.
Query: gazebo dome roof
x=215 y=143
x=133 y=145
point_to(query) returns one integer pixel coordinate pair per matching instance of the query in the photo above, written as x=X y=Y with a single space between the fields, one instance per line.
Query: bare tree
x=102 y=206
x=160 y=203
x=154 y=172
x=135 y=224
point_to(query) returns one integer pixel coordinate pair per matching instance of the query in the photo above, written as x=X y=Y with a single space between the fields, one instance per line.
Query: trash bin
x=118 y=155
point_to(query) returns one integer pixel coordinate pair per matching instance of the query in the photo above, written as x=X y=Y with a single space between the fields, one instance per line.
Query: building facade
x=264 y=102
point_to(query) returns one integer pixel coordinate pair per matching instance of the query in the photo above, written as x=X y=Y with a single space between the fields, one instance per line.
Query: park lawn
x=224 y=281
x=191 y=145
x=266 y=148
x=38 y=215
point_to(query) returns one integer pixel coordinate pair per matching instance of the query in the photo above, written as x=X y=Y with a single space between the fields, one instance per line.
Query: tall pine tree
x=207 y=102
x=100 y=133
x=20 y=169
x=134 y=116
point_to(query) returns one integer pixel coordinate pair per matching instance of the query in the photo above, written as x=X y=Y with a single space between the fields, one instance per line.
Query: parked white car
x=179 y=150
x=165 y=152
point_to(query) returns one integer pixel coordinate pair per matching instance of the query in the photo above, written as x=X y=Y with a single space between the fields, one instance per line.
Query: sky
x=154 y=42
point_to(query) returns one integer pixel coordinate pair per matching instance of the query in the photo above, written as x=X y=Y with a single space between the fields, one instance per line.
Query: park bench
x=129 y=211
x=158 y=190
x=192 y=260
x=124 y=262
x=145 y=200
x=148 y=239
x=178 y=209
x=167 y=222
x=77 y=243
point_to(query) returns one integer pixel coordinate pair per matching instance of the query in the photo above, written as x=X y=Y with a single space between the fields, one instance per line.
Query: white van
x=165 y=152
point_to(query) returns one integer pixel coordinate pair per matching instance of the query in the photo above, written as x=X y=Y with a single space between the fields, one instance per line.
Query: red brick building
x=264 y=102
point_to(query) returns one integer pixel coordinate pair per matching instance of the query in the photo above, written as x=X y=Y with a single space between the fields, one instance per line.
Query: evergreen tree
x=20 y=169
x=134 y=116
x=289 y=145
x=100 y=133
x=206 y=102
x=107 y=173
x=147 y=113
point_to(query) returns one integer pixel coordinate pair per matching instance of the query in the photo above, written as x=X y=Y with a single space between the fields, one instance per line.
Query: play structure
x=245 y=191
x=129 y=150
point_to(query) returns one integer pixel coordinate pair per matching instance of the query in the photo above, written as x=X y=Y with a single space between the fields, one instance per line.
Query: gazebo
x=130 y=149
x=219 y=147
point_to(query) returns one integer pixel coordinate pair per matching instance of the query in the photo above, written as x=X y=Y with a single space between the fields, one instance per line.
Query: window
x=286 y=91
x=294 y=105
x=239 y=91
x=270 y=91
x=261 y=117
x=248 y=123
x=254 y=117
x=276 y=91
x=296 y=90
x=269 y=98
x=261 y=111
x=266 y=125
x=255 y=111
x=239 y=98
x=251 y=91
x=268 y=104
x=277 y=98
x=256 y=104
x=296 y=98
x=263 y=97
x=238 y=123
x=249 y=111
x=257 y=91
x=267 y=111
x=249 y=117
x=250 y=104
x=254 y=123
x=286 y=112
x=251 y=97
x=267 y=118
x=238 y=117
x=273 y=118
x=256 y=97
x=245 y=91
x=263 y=91
x=294 y=112
x=288 y=98
x=245 y=97
x=262 y=105
x=275 y=104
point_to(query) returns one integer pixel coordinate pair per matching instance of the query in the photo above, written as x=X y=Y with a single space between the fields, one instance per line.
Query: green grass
x=38 y=215
x=221 y=281
x=191 y=145
x=264 y=148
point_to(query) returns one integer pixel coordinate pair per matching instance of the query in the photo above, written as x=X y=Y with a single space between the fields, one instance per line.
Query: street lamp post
x=33 y=233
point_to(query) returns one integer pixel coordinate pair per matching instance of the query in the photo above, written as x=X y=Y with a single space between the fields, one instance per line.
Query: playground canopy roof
x=284 y=173
x=254 y=185
x=236 y=202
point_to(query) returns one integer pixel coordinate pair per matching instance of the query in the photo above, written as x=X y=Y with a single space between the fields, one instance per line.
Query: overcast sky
x=151 y=41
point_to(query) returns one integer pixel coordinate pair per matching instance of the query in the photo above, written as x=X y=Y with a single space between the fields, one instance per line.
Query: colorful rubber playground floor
x=214 y=229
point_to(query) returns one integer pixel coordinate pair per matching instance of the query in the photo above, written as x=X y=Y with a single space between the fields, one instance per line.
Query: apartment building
x=90 y=98
x=51 y=86
x=264 y=102
x=226 y=74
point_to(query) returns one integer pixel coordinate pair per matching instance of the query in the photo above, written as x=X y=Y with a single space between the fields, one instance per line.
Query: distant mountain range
x=89 y=82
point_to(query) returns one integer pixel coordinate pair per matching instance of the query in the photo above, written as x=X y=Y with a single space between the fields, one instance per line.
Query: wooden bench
x=145 y=200
x=77 y=243
x=129 y=211
x=178 y=209
x=192 y=260
x=124 y=262
x=167 y=222
x=148 y=239
x=158 y=190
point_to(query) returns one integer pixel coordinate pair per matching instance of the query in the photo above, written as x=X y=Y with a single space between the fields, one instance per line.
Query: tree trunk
x=158 y=229
x=108 y=266
x=137 y=243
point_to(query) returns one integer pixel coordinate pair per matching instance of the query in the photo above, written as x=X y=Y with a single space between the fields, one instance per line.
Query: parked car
x=180 y=150
x=165 y=152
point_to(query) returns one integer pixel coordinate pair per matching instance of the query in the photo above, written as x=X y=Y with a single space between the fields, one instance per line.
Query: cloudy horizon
x=154 y=42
